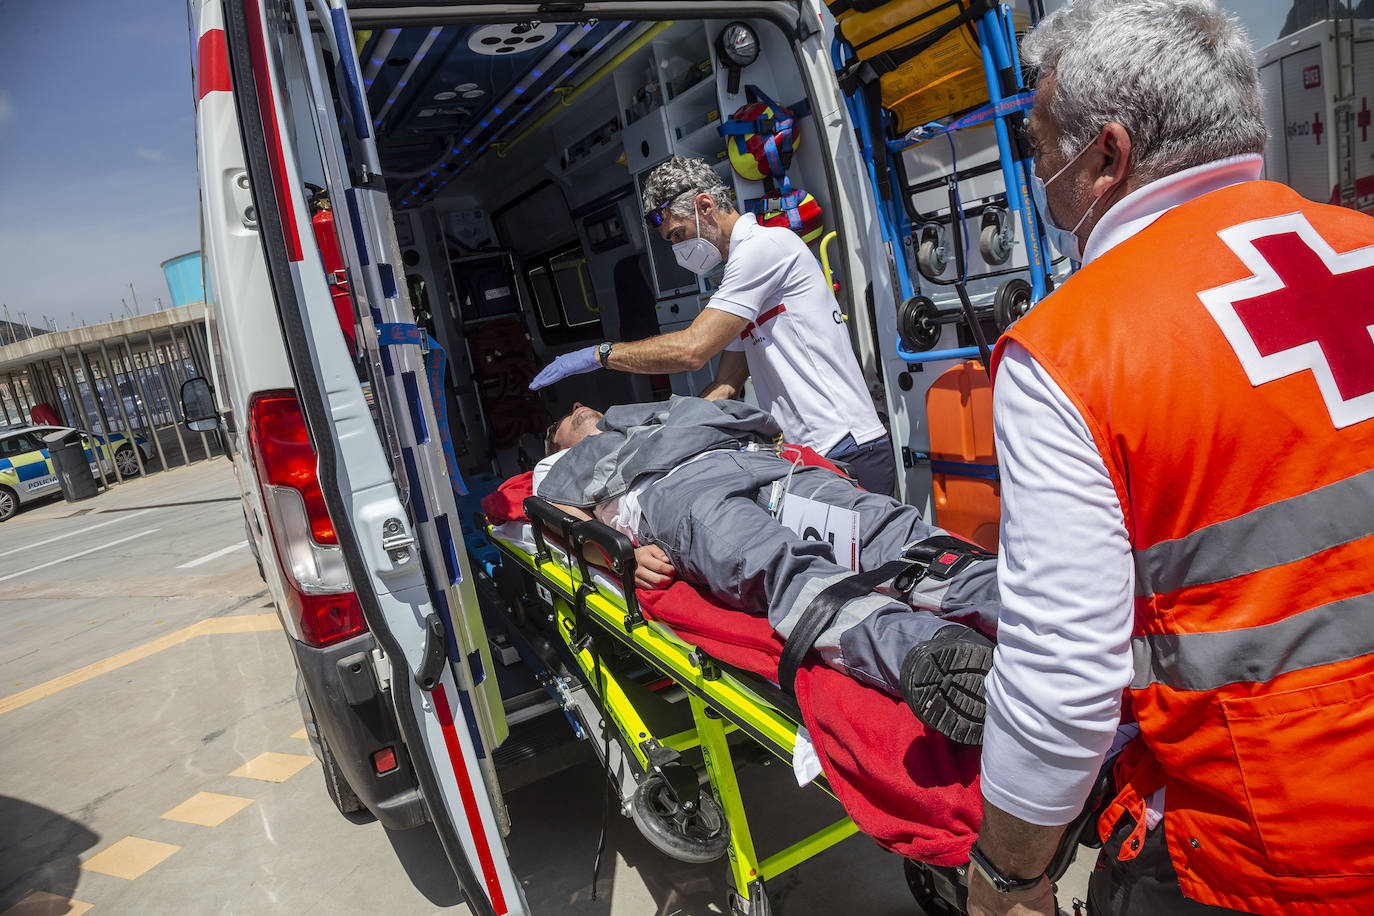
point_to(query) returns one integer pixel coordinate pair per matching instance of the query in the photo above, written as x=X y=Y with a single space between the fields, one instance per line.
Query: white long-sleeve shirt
x=1065 y=570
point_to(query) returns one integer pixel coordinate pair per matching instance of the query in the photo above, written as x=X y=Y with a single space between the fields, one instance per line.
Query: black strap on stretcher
x=938 y=557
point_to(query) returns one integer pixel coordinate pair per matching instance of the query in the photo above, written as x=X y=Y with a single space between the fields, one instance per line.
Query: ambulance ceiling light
x=506 y=39
x=445 y=96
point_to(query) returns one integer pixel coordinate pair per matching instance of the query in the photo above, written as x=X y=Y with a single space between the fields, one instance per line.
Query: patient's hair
x=674 y=178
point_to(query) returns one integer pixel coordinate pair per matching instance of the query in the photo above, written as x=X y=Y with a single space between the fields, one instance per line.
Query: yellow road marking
x=41 y=903
x=208 y=809
x=299 y=733
x=244 y=623
x=129 y=858
x=270 y=766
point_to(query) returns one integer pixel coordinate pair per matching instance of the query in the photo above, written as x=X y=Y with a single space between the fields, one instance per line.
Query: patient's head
x=571 y=428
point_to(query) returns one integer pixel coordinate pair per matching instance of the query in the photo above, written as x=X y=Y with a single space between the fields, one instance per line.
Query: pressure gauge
x=738 y=46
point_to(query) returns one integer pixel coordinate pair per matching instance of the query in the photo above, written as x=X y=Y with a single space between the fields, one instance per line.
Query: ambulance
x=409 y=208
x=1318 y=86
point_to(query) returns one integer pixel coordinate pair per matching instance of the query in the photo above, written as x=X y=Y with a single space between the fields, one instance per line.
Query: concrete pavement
x=153 y=758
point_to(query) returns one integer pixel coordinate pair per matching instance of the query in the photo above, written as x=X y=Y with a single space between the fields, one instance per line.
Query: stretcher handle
x=619 y=554
x=543 y=513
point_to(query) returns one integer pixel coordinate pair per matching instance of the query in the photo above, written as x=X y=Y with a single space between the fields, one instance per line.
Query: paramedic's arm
x=1063 y=652
x=731 y=374
x=751 y=279
x=679 y=351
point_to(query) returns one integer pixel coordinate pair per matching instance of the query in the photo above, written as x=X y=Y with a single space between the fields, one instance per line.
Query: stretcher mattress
x=912 y=790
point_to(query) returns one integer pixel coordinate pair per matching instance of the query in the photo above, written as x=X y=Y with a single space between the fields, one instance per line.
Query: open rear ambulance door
x=384 y=480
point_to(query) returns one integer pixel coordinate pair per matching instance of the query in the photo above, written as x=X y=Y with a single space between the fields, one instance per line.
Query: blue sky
x=97 y=150
x=97 y=154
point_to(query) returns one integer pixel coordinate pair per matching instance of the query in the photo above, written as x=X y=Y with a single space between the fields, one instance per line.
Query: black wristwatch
x=603 y=352
x=1000 y=882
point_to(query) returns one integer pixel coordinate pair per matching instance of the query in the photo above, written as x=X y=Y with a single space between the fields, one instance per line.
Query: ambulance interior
x=513 y=155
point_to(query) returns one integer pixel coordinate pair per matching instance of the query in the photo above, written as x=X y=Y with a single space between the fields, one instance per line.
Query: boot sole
x=944 y=688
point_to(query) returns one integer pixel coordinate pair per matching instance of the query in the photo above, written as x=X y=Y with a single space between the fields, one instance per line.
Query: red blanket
x=911 y=790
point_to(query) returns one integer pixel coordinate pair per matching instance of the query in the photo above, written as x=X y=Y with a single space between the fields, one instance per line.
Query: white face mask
x=1064 y=240
x=696 y=254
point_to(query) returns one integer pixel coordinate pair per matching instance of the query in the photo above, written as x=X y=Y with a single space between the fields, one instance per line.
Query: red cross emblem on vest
x=1305 y=307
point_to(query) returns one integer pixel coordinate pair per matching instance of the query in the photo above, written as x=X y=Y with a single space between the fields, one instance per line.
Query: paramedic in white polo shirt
x=773 y=318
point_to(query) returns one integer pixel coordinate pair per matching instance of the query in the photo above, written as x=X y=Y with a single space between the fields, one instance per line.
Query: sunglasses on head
x=657 y=215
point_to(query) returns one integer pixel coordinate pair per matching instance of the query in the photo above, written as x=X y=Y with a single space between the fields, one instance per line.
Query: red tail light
x=320 y=595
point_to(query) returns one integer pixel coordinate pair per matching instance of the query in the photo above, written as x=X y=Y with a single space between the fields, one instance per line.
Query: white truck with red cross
x=1318 y=86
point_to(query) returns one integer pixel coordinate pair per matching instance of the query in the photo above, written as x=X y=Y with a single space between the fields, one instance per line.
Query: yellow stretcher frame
x=720 y=702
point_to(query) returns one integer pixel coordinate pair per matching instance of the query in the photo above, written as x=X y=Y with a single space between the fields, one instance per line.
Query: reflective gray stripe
x=1271 y=535
x=1329 y=633
x=852 y=614
x=809 y=591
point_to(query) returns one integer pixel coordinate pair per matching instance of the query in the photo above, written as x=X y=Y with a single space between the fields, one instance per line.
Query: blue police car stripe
x=33 y=470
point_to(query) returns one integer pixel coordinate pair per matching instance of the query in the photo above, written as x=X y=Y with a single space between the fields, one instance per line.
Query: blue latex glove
x=574 y=363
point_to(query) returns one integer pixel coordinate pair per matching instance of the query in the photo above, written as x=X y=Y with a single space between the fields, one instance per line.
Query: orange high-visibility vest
x=1223 y=359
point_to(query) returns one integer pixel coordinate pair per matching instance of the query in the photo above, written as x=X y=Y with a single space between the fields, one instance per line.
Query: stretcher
x=667 y=686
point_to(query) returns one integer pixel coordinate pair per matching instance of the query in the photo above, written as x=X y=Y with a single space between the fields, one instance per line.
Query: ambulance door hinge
x=382 y=669
x=366 y=180
x=396 y=541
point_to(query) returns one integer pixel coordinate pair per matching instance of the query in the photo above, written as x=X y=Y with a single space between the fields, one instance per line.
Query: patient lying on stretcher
x=702 y=489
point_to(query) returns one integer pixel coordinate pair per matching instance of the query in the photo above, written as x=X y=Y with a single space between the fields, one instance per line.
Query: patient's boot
x=942 y=681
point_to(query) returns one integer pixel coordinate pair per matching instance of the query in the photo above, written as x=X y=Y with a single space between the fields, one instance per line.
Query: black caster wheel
x=688 y=830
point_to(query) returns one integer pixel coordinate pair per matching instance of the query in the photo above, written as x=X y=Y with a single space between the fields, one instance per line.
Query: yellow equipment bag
x=923 y=55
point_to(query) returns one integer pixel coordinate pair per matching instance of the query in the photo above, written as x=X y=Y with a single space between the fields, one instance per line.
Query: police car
x=27 y=474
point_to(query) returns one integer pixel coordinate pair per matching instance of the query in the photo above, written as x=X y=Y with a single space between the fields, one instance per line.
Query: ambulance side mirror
x=198 y=405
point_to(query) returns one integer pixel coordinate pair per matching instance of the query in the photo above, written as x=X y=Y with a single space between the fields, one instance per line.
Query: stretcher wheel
x=932 y=258
x=1013 y=300
x=918 y=324
x=994 y=244
x=689 y=831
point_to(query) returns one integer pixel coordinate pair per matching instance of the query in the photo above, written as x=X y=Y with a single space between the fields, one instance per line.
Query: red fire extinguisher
x=323 y=224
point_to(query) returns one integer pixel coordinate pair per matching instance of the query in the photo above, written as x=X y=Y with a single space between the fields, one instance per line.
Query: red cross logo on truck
x=1305 y=307
x=1362 y=119
x=1317 y=127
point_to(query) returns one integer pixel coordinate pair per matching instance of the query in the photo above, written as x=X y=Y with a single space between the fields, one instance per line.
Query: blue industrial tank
x=184 y=278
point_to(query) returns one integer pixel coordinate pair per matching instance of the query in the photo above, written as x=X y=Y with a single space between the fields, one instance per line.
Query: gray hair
x=674 y=178
x=1179 y=75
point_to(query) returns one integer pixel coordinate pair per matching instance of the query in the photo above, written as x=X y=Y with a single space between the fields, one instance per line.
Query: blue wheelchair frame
x=1002 y=73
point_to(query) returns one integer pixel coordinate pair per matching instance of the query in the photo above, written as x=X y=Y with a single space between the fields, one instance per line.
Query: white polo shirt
x=803 y=366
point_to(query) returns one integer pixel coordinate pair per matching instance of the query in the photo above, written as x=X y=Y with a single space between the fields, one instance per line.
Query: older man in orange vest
x=1193 y=414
